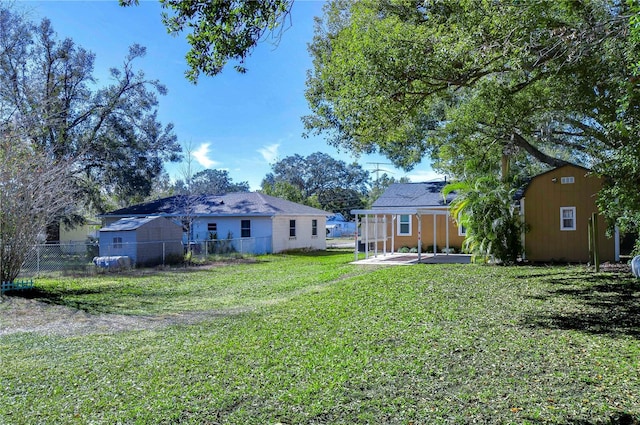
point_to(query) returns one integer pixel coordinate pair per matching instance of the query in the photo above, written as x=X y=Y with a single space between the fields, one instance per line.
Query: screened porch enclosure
x=384 y=231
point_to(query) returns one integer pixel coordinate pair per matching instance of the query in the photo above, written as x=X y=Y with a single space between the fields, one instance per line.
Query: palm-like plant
x=485 y=207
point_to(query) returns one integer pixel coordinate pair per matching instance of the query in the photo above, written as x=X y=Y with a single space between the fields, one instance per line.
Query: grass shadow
x=329 y=252
x=603 y=304
x=67 y=298
x=619 y=418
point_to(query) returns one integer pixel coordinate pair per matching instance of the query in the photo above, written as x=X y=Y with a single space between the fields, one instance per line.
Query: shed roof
x=414 y=195
x=231 y=204
x=128 y=224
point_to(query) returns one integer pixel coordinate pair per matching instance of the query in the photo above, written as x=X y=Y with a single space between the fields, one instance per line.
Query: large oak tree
x=471 y=82
x=108 y=134
x=466 y=82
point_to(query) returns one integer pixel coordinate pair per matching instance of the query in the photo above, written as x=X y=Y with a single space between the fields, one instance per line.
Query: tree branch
x=535 y=152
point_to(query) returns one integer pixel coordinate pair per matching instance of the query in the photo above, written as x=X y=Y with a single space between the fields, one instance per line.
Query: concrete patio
x=405 y=259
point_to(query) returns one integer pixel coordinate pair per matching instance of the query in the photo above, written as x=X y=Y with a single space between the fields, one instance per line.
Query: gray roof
x=126 y=224
x=231 y=204
x=426 y=194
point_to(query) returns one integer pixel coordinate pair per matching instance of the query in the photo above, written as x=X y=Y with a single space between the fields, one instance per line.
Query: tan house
x=556 y=206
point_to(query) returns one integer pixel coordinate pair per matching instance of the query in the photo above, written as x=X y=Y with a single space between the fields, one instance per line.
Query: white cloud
x=424 y=176
x=270 y=153
x=201 y=155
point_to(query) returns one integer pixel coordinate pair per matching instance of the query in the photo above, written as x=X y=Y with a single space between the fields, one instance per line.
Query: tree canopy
x=467 y=83
x=319 y=180
x=210 y=182
x=109 y=135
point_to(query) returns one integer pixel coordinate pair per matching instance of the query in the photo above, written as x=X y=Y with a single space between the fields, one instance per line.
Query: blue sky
x=241 y=123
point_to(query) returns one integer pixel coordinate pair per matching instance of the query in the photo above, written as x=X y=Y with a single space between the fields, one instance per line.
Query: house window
x=212 y=227
x=314 y=227
x=245 y=228
x=117 y=242
x=462 y=231
x=292 y=228
x=404 y=225
x=567 y=218
x=567 y=180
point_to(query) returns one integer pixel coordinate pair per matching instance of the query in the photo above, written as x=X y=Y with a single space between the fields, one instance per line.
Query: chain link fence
x=61 y=258
x=77 y=258
x=229 y=247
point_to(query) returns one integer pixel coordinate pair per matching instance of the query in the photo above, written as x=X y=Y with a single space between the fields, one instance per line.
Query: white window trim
x=461 y=230
x=400 y=227
x=562 y=226
x=567 y=180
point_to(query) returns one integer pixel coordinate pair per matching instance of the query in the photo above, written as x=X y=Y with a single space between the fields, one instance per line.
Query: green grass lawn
x=315 y=340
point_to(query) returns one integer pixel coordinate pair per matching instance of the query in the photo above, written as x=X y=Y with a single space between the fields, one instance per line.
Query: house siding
x=126 y=248
x=260 y=227
x=303 y=239
x=231 y=228
x=79 y=233
x=543 y=199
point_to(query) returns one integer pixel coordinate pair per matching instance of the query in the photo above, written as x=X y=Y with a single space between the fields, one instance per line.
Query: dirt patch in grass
x=19 y=314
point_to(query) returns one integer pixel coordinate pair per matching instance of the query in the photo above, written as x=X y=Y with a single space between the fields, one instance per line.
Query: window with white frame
x=567 y=180
x=567 y=218
x=462 y=231
x=117 y=242
x=404 y=225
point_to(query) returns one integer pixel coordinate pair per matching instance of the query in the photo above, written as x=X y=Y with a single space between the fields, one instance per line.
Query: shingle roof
x=231 y=204
x=426 y=194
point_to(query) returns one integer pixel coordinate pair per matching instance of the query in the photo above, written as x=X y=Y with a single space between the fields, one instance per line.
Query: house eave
x=404 y=210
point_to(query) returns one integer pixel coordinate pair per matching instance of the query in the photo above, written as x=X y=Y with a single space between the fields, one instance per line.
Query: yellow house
x=412 y=215
x=556 y=206
x=79 y=233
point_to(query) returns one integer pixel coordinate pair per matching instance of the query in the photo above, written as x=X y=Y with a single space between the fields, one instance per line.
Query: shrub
x=485 y=207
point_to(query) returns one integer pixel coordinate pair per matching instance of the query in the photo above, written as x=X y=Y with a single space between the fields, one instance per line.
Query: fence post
x=596 y=253
x=38 y=260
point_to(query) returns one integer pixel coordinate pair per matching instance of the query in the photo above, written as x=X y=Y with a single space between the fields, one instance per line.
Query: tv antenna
x=378 y=169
